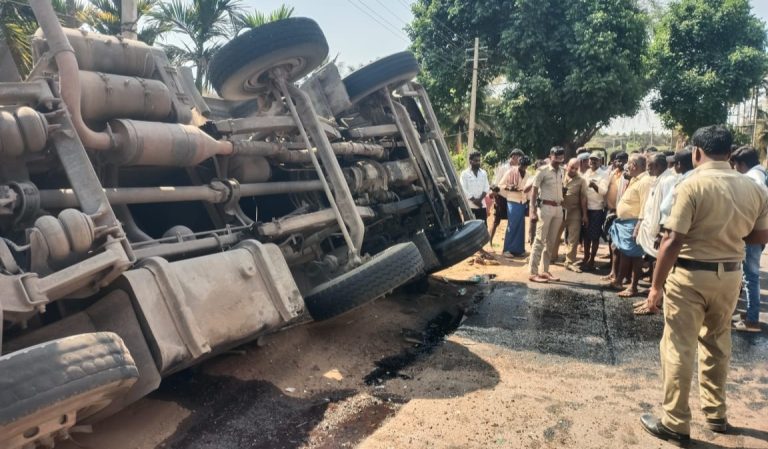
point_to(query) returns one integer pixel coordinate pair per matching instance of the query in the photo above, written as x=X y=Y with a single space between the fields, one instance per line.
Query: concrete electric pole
x=129 y=15
x=473 y=99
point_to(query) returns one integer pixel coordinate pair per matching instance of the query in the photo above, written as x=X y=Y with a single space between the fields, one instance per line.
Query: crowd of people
x=623 y=202
x=694 y=220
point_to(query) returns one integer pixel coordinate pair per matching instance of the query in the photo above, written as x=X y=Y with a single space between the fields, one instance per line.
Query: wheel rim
x=259 y=81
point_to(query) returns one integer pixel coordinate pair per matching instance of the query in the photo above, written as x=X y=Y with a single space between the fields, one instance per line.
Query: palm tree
x=458 y=125
x=103 y=16
x=18 y=24
x=257 y=18
x=202 y=25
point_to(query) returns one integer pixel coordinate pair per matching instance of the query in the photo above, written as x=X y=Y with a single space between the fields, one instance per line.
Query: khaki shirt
x=716 y=207
x=550 y=184
x=633 y=199
x=575 y=190
x=616 y=184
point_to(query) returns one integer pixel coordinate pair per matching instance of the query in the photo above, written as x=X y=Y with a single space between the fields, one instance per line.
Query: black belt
x=689 y=264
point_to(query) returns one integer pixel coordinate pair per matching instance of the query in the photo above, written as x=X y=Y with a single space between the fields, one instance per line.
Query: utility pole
x=754 y=119
x=473 y=99
x=129 y=15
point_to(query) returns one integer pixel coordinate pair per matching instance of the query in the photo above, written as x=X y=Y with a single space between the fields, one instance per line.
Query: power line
x=393 y=29
x=451 y=31
x=383 y=18
x=445 y=38
x=376 y=20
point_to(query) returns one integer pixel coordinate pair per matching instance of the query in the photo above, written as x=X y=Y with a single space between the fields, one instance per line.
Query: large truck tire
x=468 y=239
x=391 y=71
x=239 y=70
x=46 y=388
x=385 y=271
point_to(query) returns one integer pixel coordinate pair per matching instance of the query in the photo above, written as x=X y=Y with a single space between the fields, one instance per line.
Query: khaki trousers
x=572 y=224
x=697 y=312
x=550 y=219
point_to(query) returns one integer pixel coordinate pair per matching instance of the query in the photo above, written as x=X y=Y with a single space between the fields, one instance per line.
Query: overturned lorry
x=145 y=227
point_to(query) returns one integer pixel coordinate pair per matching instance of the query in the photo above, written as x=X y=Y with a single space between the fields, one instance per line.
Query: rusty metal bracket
x=341 y=201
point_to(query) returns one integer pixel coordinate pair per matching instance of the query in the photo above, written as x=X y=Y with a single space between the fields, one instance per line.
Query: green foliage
x=18 y=24
x=705 y=55
x=572 y=65
x=741 y=138
x=103 y=16
x=256 y=19
x=459 y=161
x=202 y=26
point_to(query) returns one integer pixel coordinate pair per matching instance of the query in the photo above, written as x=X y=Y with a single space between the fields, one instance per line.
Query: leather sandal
x=643 y=310
x=538 y=279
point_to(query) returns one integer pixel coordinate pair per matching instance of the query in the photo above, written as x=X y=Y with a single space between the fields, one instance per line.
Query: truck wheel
x=386 y=271
x=46 y=388
x=467 y=240
x=239 y=70
x=392 y=71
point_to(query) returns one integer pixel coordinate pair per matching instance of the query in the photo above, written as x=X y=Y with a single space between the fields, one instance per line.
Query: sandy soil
x=521 y=367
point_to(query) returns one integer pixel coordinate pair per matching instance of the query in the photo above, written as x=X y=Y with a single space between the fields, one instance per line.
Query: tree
x=202 y=25
x=457 y=125
x=18 y=24
x=256 y=19
x=104 y=16
x=705 y=55
x=572 y=65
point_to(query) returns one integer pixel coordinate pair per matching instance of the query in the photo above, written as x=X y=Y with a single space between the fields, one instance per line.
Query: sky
x=358 y=31
x=361 y=31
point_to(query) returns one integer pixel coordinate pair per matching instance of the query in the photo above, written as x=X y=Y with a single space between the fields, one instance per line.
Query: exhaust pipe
x=69 y=80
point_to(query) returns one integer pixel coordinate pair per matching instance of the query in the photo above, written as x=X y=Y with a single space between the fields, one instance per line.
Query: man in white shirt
x=650 y=218
x=683 y=165
x=474 y=182
x=597 y=187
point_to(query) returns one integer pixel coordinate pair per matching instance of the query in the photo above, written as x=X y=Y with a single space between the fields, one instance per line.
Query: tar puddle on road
x=433 y=334
x=228 y=413
x=231 y=413
x=580 y=323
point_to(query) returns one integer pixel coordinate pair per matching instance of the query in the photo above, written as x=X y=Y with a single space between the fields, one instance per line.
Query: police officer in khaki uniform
x=547 y=208
x=716 y=210
x=575 y=204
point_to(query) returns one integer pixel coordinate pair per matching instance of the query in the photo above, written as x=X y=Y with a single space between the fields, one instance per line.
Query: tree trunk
x=585 y=136
x=199 y=78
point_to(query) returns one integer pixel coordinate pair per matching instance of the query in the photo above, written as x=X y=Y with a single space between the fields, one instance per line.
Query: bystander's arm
x=667 y=256
x=534 y=197
x=757 y=237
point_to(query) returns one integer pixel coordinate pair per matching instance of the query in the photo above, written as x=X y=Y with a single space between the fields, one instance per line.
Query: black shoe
x=653 y=425
x=719 y=425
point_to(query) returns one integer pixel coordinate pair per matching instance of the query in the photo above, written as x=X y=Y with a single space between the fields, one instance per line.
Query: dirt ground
x=464 y=365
